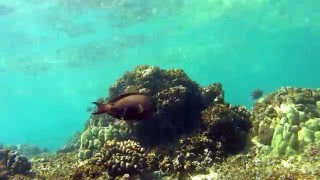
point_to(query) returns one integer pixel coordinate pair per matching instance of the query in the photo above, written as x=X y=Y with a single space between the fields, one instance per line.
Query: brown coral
x=228 y=125
x=192 y=155
x=117 y=159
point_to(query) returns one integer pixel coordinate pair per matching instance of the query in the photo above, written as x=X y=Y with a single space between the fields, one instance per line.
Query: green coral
x=294 y=124
x=93 y=138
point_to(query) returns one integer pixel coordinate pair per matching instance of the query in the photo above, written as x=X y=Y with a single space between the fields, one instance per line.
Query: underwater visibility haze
x=59 y=56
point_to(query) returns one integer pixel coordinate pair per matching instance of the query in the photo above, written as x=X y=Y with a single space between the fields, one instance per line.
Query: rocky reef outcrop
x=284 y=139
x=194 y=134
x=13 y=165
x=192 y=129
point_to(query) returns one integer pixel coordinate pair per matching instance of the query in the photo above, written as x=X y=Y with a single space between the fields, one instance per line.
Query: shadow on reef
x=193 y=128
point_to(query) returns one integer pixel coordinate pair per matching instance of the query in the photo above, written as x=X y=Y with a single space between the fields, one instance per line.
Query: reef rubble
x=195 y=134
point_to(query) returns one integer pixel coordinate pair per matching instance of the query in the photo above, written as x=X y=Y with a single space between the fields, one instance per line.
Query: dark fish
x=128 y=106
x=5 y=10
x=256 y=94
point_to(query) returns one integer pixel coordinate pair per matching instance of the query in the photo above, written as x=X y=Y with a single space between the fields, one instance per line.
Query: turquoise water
x=56 y=56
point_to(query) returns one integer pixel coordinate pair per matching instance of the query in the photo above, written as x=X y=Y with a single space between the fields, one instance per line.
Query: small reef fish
x=128 y=106
x=257 y=93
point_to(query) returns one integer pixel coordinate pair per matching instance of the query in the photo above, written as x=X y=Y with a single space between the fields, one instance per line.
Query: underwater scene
x=159 y=90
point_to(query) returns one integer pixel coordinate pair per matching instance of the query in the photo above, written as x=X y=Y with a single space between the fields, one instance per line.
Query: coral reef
x=288 y=121
x=190 y=120
x=194 y=134
x=191 y=155
x=228 y=125
x=13 y=165
x=117 y=159
x=179 y=102
x=94 y=137
x=224 y=130
x=54 y=166
x=129 y=158
x=257 y=165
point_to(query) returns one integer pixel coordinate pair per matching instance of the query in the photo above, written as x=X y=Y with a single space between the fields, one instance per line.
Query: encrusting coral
x=115 y=159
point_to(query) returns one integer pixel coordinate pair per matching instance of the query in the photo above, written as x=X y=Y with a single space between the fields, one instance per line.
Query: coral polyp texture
x=288 y=121
x=194 y=133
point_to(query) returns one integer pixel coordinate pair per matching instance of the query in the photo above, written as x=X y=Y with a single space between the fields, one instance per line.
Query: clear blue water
x=58 y=56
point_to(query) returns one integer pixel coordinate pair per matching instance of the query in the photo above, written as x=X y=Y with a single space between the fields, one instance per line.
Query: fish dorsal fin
x=125 y=95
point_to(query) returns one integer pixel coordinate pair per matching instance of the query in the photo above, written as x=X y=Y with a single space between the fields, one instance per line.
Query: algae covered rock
x=55 y=166
x=227 y=124
x=12 y=164
x=287 y=120
x=192 y=129
x=179 y=102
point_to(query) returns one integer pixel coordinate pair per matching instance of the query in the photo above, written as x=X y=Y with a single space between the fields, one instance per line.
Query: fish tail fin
x=101 y=108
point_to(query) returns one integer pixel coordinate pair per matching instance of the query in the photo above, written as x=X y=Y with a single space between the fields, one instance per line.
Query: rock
x=11 y=164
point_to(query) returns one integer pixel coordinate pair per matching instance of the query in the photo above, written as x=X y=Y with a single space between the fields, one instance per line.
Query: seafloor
x=195 y=134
